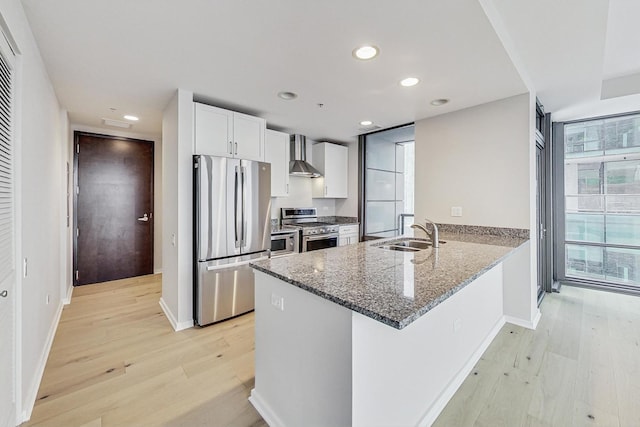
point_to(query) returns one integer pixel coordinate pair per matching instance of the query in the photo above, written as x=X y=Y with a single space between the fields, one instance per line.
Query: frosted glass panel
x=388 y=155
x=400 y=148
x=380 y=217
x=381 y=155
x=380 y=185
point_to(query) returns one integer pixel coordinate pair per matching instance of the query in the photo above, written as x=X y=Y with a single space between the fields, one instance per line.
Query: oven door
x=323 y=241
x=283 y=243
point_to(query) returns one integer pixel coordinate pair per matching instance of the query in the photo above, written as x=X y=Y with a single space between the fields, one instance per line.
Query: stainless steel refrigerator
x=232 y=227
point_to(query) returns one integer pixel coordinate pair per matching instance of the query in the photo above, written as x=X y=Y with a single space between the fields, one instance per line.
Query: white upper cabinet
x=332 y=161
x=220 y=132
x=277 y=151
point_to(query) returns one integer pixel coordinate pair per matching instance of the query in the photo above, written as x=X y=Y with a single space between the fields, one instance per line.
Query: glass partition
x=388 y=182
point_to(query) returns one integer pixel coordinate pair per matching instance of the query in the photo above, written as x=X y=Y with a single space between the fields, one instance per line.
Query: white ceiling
x=133 y=55
x=238 y=54
x=575 y=52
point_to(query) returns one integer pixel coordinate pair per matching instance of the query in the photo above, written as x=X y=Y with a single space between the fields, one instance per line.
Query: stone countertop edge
x=384 y=319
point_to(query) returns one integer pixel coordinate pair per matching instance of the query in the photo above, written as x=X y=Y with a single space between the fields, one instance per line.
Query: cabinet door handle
x=325 y=190
x=236 y=148
x=230 y=147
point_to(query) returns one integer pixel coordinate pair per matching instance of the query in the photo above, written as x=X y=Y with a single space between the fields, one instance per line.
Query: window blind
x=7 y=219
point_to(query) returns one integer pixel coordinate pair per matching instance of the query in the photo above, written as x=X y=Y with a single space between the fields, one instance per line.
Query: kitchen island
x=361 y=335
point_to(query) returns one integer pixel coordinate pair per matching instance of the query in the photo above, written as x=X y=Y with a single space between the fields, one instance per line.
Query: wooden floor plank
x=116 y=361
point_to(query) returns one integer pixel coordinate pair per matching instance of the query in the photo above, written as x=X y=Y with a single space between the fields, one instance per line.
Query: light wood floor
x=116 y=361
x=580 y=367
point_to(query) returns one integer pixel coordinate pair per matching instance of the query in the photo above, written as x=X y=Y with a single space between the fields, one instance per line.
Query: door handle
x=4 y=294
x=144 y=218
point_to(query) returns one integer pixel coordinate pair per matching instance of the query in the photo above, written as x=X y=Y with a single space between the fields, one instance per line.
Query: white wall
x=605 y=107
x=300 y=197
x=177 y=252
x=483 y=160
x=157 y=178
x=478 y=159
x=40 y=176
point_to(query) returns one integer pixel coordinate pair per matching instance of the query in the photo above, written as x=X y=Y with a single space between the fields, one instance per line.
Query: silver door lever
x=144 y=218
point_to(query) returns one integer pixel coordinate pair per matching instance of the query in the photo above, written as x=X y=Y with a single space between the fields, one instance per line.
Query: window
x=601 y=171
x=388 y=182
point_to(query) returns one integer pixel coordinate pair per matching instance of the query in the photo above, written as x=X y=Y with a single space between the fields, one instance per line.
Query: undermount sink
x=399 y=248
x=417 y=244
x=408 y=244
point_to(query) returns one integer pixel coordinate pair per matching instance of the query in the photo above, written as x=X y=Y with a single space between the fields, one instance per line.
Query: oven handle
x=320 y=237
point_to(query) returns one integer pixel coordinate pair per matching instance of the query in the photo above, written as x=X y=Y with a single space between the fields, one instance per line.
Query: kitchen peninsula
x=361 y=335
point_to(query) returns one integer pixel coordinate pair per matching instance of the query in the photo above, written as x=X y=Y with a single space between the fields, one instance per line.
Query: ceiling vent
x=116 y=123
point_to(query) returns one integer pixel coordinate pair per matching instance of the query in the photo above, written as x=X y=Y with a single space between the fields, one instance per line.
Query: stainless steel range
x=314 y=234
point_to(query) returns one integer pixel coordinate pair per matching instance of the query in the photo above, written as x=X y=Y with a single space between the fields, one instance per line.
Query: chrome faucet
x=433 y=235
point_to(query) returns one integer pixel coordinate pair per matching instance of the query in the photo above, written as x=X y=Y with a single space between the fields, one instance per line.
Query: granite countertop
x=393 y=287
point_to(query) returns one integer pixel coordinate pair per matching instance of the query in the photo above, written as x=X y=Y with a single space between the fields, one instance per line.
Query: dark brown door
x=114 y=203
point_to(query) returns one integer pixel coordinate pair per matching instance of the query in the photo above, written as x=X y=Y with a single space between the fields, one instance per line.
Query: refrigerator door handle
x=236 y=189
x=243 y=242
x=236 y=264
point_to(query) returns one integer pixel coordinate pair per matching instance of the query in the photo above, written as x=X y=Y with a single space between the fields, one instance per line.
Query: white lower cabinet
x=348 y=234
x=277 y=152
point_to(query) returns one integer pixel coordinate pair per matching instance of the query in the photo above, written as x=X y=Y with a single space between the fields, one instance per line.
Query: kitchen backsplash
x=300 y=197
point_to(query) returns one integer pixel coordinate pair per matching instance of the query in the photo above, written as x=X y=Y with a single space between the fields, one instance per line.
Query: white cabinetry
x=348 y=234
x=332 y=162
x=220 y=132
x=277 y=151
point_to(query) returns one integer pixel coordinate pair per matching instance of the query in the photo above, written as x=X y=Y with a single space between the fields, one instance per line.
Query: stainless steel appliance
x=232 y=214
x=298 y=165
x=315 y=234
x=284 y=242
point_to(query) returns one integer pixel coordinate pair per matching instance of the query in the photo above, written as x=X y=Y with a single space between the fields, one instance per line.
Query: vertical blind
x=6 y=171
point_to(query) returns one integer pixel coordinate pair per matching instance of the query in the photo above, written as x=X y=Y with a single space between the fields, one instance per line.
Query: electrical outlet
x=456 y=211
x=277 y=301
x=457 y=325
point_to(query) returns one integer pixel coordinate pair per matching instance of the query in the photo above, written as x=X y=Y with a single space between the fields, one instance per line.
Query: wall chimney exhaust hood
x=298 y=165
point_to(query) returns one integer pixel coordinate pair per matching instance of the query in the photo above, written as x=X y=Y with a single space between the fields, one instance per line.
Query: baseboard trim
x=434 y=411
x=529 y=324
x=158 y=271
x=30 y=399
x=177 y=326
x=264 y=410
x=67 y=298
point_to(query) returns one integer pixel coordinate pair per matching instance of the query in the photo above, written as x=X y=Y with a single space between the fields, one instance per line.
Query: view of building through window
x=602 y=200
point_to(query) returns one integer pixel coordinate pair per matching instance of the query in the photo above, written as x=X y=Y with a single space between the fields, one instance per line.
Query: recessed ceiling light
x=365 y=52
x=439 y=102
x=287 y=96
x=409 y=81
x=366 y=123
x=130 y=117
